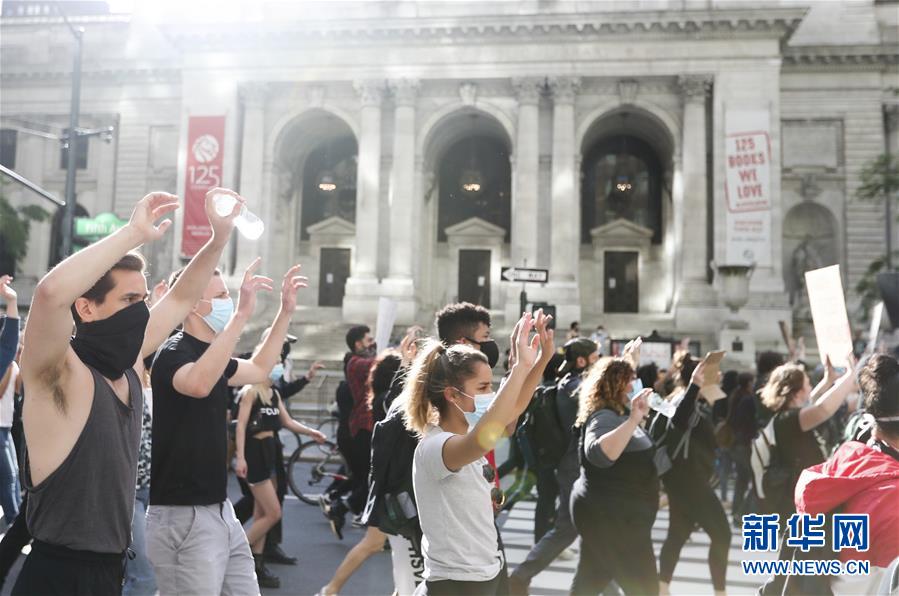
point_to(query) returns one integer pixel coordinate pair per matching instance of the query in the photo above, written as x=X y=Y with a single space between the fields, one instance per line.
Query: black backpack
x=548 y=438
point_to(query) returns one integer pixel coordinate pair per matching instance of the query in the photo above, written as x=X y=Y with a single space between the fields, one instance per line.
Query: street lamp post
x=71 y=142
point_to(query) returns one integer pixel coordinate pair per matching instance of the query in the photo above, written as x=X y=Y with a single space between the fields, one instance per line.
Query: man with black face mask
x=82 y=413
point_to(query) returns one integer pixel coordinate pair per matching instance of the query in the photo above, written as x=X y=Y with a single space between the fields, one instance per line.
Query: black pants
x=51 y=569
x=547 y=493
x=450 y=587
x=14 y=540
x=244 y=507
x=616 y=543
x=691 y=506
x=359 y=462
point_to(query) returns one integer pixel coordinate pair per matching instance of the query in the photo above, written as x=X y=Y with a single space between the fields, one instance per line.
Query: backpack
x=344 y=399
x=772 y=476
x=546 y=435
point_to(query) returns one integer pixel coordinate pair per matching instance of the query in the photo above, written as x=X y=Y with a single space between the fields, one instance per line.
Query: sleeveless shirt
x=87 y=503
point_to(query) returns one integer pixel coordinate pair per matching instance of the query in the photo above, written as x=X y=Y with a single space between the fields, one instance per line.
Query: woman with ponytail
x=449 y=404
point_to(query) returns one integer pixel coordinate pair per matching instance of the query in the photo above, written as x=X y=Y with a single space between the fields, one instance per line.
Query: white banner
x=747 y=187
x=386 y=319
x=828 y=306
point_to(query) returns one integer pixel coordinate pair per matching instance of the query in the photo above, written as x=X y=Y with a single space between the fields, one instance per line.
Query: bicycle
x=313 y=469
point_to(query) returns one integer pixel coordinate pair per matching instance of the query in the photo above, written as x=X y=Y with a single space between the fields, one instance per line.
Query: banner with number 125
x=205 y=151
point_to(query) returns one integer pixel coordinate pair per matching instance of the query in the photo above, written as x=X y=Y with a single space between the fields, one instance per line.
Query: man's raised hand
x=289 y=286
x=6 y=291
x=148 y=210
x=252 y=283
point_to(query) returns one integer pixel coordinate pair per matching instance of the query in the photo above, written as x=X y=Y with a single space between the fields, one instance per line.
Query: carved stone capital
x=564 y=89
x=371 y=92
x=527 y=89
x=694 y=87
x=253 y=94
x=627 y=90
x=468 y=93
x=405 y=91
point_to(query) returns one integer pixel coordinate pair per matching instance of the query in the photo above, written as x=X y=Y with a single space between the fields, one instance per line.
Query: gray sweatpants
x=200 y=550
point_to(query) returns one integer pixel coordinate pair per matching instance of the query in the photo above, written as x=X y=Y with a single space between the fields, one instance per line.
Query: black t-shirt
x=190 y=435
x=800 y=449
x=265 y=417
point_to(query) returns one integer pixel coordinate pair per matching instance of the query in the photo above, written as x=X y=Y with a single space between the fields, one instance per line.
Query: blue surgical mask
x=481 y=404
x=636 y=388
x=277 y=373
x=222 y=309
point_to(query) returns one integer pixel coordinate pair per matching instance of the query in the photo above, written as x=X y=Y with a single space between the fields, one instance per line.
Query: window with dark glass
x=8 y=139
x=622 y=179
x=329 y=183
x=475 y=181
x=81 y=145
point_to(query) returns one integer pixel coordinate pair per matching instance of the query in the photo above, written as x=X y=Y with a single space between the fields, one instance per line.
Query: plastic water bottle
x=246 y=222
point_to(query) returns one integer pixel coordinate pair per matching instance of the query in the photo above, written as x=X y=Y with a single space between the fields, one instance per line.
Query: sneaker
x=274 y=554
x=336 y=519
x=265 y=577
x=324 y=503
x=357 y=521
x=567 y=555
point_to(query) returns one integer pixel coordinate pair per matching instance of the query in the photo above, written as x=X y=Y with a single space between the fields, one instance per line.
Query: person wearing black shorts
x=261 y=416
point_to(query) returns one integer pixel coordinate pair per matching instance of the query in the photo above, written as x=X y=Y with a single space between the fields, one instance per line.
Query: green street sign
x=98 y=227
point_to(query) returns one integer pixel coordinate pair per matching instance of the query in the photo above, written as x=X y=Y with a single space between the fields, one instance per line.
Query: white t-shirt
x=456 y=515
x=6 y=400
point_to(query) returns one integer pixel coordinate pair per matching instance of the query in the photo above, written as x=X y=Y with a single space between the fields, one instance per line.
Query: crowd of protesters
x=122 y=454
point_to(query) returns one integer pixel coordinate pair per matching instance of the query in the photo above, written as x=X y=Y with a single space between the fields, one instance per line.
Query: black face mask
x=113 y=344
x=489 y=348
x=369 y=352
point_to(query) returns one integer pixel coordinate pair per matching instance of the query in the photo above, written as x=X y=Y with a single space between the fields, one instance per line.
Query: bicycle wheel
x=312 y=469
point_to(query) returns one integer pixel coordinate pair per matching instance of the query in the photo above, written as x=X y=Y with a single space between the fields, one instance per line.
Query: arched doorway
x=467 y=208
x=314 y=188
x=626 y=212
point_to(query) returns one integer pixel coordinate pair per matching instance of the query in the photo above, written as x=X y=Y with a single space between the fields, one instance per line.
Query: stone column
x=362 y=288
x=525 y=224
x=252 y=150
x=694 y=287
x=565 y=204
x=399 y=283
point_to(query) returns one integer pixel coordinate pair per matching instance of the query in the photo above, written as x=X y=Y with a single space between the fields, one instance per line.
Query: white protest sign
x=386 y=319
x=876 y=318
x=828 y=306
x=658 y=352
x=747 y=187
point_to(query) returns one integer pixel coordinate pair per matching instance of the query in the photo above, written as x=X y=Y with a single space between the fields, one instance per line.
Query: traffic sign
x=540 y=276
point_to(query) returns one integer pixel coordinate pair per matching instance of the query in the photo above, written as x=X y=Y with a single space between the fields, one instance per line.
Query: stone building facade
x=587 y=138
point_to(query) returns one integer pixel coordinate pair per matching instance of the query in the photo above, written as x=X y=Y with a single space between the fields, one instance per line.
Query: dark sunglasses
x=496 y=494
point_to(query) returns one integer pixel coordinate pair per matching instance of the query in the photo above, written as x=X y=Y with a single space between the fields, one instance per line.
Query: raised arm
x=173 y=307
x=257 y=368
x=614 y=442
x=9 y=337
x=829 y=402
x=461 y=450
x=197 y=379
x=50 y=320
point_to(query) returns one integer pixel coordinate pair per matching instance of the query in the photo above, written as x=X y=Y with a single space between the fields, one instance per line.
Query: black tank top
x=263 y=417
x=88 y=501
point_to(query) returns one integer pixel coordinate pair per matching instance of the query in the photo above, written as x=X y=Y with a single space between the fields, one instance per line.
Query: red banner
x=205 y=148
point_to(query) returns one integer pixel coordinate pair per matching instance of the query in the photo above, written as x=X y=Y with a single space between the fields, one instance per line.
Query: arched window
x=622 y=178
x=475 y=180
x=329 y=182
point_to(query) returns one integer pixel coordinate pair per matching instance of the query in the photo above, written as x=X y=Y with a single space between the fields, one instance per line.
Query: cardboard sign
x=386 y=319
x=710 y=390
x=828 y=306
x=205 y=155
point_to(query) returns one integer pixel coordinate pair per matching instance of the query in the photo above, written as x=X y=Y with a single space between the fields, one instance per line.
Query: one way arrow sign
x=519 y=274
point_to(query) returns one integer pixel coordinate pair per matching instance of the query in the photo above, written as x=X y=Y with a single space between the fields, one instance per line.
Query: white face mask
x=481 y=404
